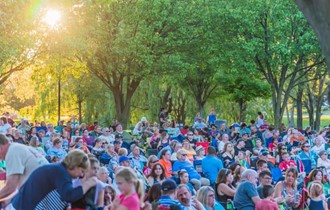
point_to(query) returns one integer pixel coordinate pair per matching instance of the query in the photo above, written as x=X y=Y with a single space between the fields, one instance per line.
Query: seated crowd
x=205 y=166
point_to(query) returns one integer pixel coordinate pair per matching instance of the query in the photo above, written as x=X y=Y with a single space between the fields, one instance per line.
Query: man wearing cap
x=211 y=165
x=124 y=161
x=199 y=124
x=117 y=144
x=140 y=126
x=166 y=200
x=138 y=161
x=263 y=155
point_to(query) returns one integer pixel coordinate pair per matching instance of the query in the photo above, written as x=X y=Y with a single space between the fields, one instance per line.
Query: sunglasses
x=184 y=154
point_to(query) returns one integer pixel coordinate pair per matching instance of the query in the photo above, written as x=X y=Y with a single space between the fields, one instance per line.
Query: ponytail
x=139 y=188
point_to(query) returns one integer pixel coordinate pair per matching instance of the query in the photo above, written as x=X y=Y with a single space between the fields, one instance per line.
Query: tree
x=18 y=47
x=318 y=16
x=126 y=41
x=282 y=45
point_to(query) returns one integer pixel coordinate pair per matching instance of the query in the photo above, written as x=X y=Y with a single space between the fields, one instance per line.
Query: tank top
x=223 y=199
x=315 y=205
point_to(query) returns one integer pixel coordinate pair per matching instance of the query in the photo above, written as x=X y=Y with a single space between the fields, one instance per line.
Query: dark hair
x=211 y=150
x=182 y=172
x=222 y=175
x=260 y=162
x=267 y=190
x=154 y=192
x=163 y=152
x=313 y=173
x=153 y=174
x=262 y=174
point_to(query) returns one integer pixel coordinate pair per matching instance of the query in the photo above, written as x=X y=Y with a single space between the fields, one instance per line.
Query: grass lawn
x=325 y=121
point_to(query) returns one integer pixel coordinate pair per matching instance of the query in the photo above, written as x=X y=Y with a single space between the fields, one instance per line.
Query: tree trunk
x=123 y=99
x=299 y=107
x=79 y=110
x=318 y=15
x=242 y=109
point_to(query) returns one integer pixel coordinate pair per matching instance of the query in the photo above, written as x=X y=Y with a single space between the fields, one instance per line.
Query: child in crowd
x=132 y=190
x=317 y=199
x=286 y=163
x=242 y=160
x=267 y=203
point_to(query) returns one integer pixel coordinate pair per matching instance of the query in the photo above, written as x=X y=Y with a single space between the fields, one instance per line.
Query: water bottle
x=296 y=198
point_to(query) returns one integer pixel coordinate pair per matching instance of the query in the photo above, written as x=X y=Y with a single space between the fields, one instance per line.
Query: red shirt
x=286 y=165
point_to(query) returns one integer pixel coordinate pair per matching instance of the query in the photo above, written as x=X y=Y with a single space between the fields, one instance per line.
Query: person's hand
x=115 y=203
x=289 y=199
x=197 y=204
x=2 y=171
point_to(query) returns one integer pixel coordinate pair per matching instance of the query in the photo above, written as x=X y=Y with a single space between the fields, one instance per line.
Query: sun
x=52 y=18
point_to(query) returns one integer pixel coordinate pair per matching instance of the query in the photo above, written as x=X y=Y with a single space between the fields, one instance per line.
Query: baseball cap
x=168 y=185
x=263 y=152
x=199 y=148
x=123 y=158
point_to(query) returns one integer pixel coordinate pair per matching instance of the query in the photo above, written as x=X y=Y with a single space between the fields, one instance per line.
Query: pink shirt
x=131 y=202
x=266 y=204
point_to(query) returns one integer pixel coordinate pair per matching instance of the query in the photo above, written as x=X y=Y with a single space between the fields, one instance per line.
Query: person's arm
x=255 y=199
x=225 y=189
x=151 y=180
x=100 y=198
x=11 y=185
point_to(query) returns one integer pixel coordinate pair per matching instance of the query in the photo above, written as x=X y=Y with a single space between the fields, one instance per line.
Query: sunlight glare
x=52 y=18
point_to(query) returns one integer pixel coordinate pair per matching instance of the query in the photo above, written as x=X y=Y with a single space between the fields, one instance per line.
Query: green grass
x=325 y=121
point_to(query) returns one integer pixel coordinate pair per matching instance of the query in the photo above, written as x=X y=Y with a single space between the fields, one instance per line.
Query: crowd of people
x=159 y=165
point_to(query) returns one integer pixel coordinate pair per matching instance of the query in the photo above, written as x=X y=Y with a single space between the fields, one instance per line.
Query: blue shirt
x=167 y=201
x=48 y=187
x=178 y=165
x=211 y=166
x=243 y=196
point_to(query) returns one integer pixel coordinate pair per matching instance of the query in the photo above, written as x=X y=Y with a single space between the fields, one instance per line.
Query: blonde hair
x=129 y=175
x=315 y=189
x=76 y=158
x=122 y=152
x=202 y=194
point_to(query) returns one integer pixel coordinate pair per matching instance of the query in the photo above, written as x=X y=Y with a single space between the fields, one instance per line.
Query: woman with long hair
x=157 y=174
x=228 y=156
x=225 y=191
x=288 y=189
x=206 y=196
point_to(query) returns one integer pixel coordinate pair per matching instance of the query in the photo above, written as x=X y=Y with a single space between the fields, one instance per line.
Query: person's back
x=48 y=183
x=23 y=160
x=211 y=165
x=266 y=204
x=246 y=194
